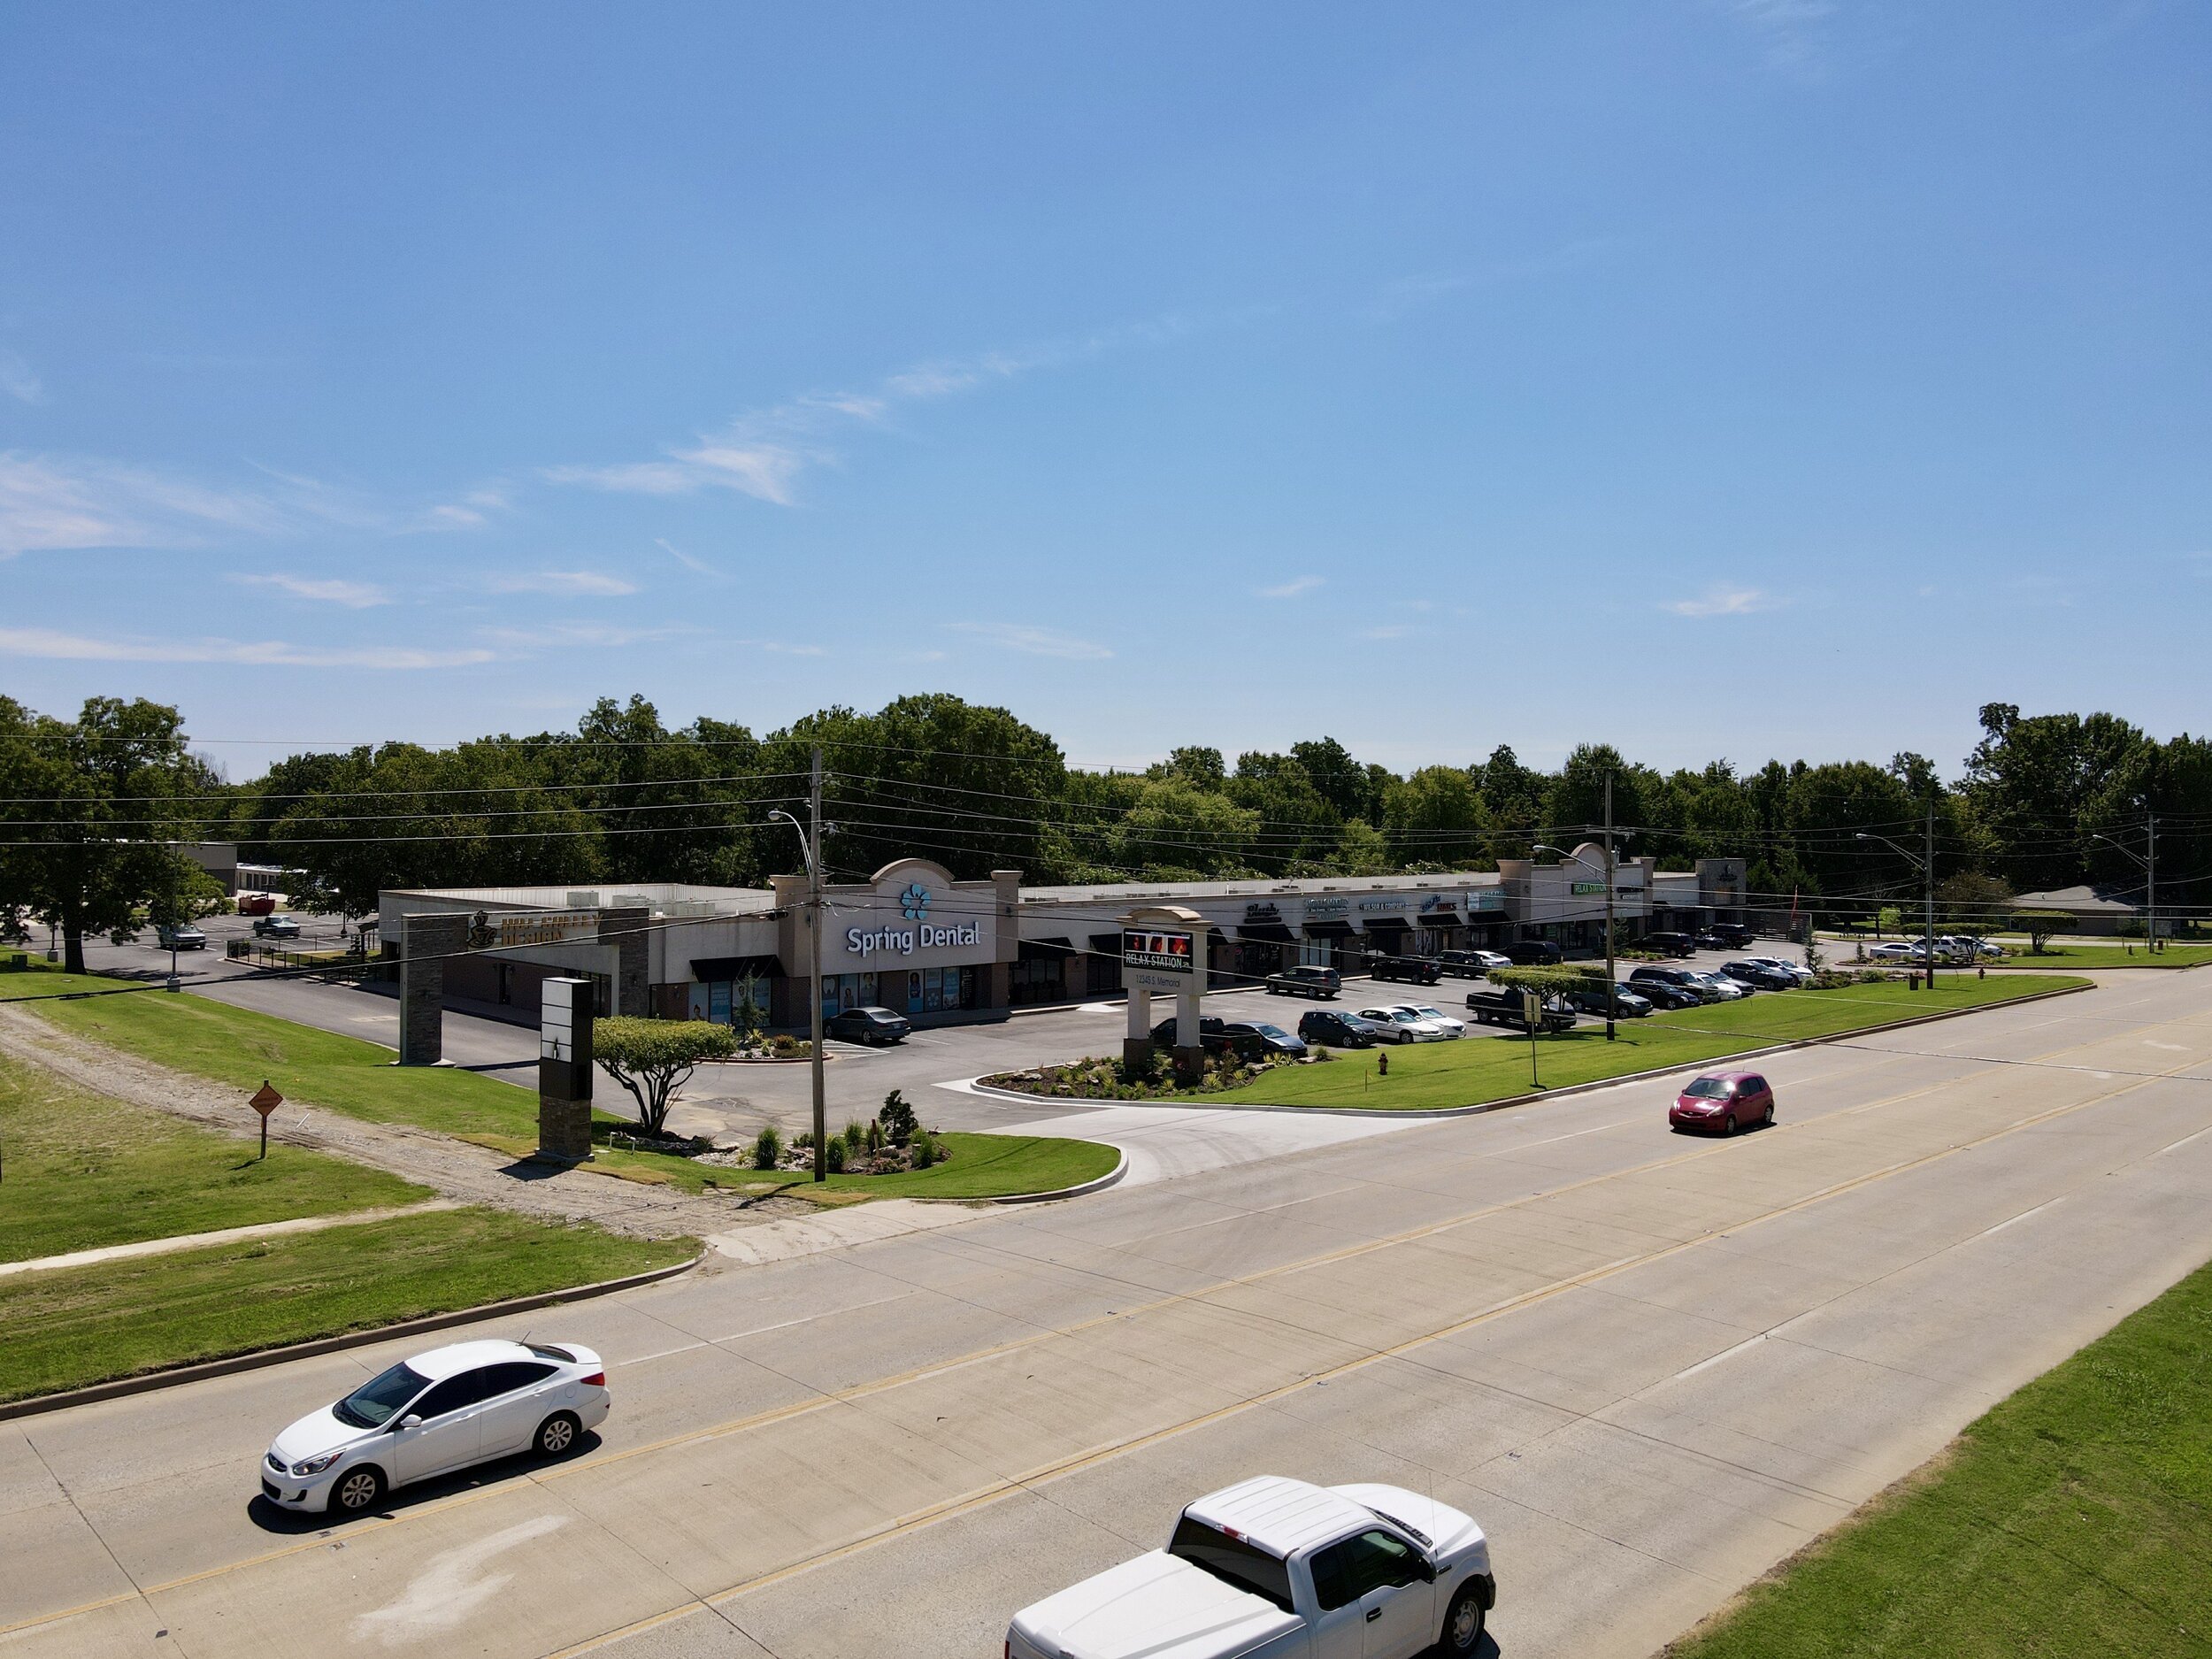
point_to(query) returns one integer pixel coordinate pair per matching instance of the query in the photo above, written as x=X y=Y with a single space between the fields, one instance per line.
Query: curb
x=1199 y=1102
x=123 y=1386
x=1121 y=1169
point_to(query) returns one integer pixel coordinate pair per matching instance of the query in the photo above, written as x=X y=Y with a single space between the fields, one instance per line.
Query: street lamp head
x=1542 y=847
x=1862 y=836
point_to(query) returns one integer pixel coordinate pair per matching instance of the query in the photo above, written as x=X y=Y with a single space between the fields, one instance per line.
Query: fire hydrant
x=1382 y=1065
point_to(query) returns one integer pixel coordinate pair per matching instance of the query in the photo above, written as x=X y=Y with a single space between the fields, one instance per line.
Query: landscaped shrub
x=854 y=1137
x=875 y=1138
x=924 y=1149
x=834 y=1154
x=897 y=1118
x=767 y=1148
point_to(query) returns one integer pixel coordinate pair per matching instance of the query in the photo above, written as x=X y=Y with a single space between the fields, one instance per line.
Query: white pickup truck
x=1277 y=1569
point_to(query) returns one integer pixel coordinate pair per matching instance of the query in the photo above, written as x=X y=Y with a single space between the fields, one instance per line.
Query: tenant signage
x=1158 y=951
x=548 y=928
x=1587 y=889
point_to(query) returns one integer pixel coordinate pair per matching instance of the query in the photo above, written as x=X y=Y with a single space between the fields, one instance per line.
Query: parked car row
x=1948 y=947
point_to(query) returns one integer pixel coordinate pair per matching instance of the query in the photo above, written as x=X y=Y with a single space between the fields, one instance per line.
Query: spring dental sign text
x=865 y=941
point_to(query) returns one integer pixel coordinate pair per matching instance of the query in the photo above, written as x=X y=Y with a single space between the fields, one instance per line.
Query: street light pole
x=2148 y=859
x=1612 y=985
x=810 y=845
x=1927 y=866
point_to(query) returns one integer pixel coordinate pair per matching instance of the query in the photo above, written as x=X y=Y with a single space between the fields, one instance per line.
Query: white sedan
x=433 y=1414
x=1728 y=989
x=1403 y=1025
x=1422 y=1011
x=1894 y=953
x=1797 y=971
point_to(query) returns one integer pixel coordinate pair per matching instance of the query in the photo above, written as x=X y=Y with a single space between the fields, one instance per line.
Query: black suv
x=1303 y=982
x=1216 y=1036
x=1733 y=935
x=1670 y=988
x=1670 y=944
x=1412 y=970
x=1467 y=964
x=868 y=1025
x=1590 y=999
x=1530 y=953
x=1339 y=1030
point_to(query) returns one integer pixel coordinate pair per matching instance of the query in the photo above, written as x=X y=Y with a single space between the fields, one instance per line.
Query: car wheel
x=1729 y=1125
x=1464 y=1623
x=557 y=1435
x=358 y=1490
x=1767 y=1122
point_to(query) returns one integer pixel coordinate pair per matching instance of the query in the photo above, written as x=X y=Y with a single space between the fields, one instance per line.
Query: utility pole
x=814 y=927
x=2150 y=892
x=1930 y=867
x=1612 y=985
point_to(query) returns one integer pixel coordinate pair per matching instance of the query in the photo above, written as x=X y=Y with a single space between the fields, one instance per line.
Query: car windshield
x=1276 y=1031
x=371 y=1405
x=1245 y=1565
x=1709 y=1088
x=1430 y=1013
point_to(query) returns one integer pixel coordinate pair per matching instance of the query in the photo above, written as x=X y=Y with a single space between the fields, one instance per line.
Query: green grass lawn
x=82 y=1326
x=2056 y=955
x=84 y=1172
x=1476 y=1069
x=240 y=1048
x=2075 y=1517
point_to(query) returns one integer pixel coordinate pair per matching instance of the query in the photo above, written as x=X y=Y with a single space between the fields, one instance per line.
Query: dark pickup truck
x=1503 y=1007
x=1412 y=970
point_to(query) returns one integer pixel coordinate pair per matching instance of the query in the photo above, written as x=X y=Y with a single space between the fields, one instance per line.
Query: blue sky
x=1711 y=377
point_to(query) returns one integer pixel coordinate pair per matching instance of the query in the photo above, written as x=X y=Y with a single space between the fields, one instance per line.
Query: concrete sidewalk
x=221 y=1235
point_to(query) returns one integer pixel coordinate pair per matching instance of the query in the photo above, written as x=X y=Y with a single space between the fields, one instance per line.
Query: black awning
x=1442 y=919
x=709 y=969
x=1267 y=933
x=1382 y=924
x=1044 y=950
x=1328 y=930
x=1106 y=944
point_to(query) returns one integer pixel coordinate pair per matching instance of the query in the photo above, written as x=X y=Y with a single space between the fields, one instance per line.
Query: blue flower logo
x=914 y=902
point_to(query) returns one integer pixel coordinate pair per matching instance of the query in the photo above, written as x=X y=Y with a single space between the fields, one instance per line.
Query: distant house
x=2094 y=910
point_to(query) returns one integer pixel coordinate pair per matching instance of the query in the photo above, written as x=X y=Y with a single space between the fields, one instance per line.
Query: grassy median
x=2058 y=955
x=2076 y=1516
x=81 y=1325
x=1426 y=1076
x=84 y=1172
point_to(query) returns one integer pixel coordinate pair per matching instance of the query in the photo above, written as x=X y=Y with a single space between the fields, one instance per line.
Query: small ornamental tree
x=652 y=1058
x=897 y=1118
x=2039 y=926
x=1548 y=982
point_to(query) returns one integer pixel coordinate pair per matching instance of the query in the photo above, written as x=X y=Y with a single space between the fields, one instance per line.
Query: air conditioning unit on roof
x=583 y=898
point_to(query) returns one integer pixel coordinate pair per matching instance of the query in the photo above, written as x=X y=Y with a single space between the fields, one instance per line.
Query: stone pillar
x=1136 y=1047
x=564 y=1071
x=628 y=931
x=425 y=943
x=1164 y=949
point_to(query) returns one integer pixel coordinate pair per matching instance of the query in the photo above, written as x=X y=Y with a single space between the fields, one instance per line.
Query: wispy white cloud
x=1035 y=641
x=1293 y=588
x=696 y=566
x=556 y=635
x=1794 y=32
x=17 y=379
x=51 y=502
x=1722 y=601
x=762 y=454
x=329 y=589
x=592 y=582
x=51 y=643
x=785 y=647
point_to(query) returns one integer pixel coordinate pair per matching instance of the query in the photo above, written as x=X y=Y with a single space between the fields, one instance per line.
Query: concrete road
x=1652 y=1366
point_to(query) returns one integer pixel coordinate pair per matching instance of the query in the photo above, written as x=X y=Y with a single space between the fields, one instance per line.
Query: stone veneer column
x=629 y=932
x=425 y=943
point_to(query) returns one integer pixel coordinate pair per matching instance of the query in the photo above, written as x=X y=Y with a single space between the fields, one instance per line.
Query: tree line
x=92 y=807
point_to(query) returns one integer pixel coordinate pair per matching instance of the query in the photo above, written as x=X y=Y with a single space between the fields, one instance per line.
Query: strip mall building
x=946 y=952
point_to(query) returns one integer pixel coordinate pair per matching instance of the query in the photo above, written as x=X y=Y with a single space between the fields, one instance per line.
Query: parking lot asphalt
x=1651 y=1365
x=731 y=1102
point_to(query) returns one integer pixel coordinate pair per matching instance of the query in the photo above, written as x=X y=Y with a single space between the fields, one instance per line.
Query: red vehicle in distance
x=1724 y=1100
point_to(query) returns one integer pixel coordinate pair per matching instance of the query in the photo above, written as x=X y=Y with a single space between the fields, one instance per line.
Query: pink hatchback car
x=1725 y=1100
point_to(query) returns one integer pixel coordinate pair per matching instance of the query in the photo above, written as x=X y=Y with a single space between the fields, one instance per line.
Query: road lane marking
x=1991 y=1232
x=455 y=1587
x=993 y=1492
x=1729 y=1353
